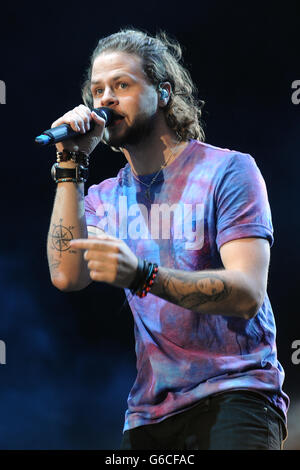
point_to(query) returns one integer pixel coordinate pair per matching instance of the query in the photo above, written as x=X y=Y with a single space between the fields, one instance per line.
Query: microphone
x=64 y=131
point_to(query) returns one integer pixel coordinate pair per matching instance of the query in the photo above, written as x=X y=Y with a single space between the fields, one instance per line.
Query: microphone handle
x=65 y=132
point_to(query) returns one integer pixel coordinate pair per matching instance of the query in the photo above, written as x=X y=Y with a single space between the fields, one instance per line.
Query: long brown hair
x=162 y=62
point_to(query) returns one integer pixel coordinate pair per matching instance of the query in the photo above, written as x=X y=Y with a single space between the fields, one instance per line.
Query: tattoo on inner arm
x=61 y=237
x=181 y=288
x=53 y=265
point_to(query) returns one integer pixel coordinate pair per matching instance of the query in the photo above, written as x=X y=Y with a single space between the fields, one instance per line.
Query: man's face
x=119 y=82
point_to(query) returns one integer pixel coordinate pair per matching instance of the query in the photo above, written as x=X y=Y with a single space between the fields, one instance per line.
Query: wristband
x=140 y=276
x=79 y=174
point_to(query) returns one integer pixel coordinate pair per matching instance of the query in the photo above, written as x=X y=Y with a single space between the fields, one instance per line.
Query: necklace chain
x=156 y=175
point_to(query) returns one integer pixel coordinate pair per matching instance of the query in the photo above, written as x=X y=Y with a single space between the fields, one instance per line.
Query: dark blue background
x=70 y=358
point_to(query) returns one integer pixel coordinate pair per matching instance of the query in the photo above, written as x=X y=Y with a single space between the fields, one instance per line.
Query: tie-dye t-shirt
x=206 y=197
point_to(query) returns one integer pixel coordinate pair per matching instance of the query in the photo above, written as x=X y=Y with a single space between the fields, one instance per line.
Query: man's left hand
x=109 y=259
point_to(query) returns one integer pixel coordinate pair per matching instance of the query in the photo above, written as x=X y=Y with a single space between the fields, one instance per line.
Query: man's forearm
x=220 y=292
x=67 y=267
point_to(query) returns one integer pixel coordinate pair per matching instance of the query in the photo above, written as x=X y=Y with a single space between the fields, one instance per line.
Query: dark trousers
x=235 y=420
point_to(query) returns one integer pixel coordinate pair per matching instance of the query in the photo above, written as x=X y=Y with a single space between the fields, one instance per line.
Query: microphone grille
x=106 y=114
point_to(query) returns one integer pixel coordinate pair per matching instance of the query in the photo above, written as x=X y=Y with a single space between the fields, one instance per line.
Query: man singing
x=185 y=228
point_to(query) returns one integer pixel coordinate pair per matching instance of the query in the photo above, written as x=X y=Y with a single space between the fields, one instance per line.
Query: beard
x=140 y=130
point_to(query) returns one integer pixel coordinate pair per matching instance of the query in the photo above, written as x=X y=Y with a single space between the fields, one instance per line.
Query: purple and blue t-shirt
x=206 y=197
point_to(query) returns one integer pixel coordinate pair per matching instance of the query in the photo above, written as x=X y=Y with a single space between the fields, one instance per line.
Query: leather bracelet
x=140 y=276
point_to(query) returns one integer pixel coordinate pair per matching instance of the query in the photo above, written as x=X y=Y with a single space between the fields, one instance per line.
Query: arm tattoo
x=190 y=289
x=53 y=265
x=61 y=237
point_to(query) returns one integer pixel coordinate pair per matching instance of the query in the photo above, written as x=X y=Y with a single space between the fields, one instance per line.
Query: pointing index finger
x=89 y=243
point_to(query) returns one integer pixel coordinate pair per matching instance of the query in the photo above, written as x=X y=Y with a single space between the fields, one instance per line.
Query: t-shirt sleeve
x=243 y=208
x=91 y=202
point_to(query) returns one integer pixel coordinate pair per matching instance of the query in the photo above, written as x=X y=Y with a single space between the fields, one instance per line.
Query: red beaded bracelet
x=152 y=273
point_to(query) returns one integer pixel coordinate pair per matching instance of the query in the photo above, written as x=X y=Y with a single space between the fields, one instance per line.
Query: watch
x=79 y=174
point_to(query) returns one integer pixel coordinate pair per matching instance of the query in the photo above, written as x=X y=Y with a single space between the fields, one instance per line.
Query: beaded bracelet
x=145 y=275
x=149 y=281
x=76 y=157
x=70 y=180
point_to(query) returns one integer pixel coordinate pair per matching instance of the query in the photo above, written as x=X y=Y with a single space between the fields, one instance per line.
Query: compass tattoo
x=61 y=237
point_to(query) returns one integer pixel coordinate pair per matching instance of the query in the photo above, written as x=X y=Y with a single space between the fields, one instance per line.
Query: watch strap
x=77 y=174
